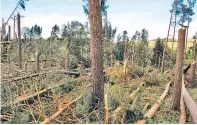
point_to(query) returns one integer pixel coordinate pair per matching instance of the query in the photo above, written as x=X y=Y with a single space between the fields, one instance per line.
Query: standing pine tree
x=158 y=52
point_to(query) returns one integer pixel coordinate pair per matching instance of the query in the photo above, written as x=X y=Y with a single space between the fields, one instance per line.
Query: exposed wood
x=190 y=103
x=178 y=70
x=193 y=69
x=133 y=94
x=183 y=112
x=116 y=112
x=54 y=116
x=154 y=108
x=141 y=122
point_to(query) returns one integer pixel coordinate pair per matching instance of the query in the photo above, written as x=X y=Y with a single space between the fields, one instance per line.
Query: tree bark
x=19 y=41
x=193 y=68
x=96 y=50
x=178 y=71
x=66 y=61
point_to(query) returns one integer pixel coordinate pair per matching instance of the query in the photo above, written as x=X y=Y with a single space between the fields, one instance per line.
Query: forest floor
x=27 y=98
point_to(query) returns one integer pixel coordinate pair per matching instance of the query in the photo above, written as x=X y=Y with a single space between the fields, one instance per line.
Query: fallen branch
x=146 y=106
x=133 y=94
x=141 y=122
x=183 y=113
x=116 y=112
x=54 y=116
x=154 y=108
x=20 y=99
x=190 y=103
x=187 y=68
x=43 y=73
x=106 y=110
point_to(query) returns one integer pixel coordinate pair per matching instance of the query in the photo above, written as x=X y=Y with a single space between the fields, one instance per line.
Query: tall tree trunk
x=173 y=36
x=165 y=47
x=19 y=41
x=178 y=71
x=9 y=33
x=96 y=50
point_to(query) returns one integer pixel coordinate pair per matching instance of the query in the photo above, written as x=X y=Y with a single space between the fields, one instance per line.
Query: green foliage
x=158 y=52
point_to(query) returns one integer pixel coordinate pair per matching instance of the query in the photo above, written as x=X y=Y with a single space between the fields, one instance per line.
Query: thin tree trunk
x=9 y=33
x=178 y=71
x=165 y=47
x=14 y=29
x=173 y=36
x=19 y=41
x=96 y=49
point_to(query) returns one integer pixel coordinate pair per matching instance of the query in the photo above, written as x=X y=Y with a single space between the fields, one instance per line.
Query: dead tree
x=192 y=75
x=178 y=71
x=96 y=50
x=19 y=41
x=2 y=30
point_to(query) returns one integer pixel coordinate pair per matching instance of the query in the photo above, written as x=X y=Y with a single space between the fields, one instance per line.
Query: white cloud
x=47 y=21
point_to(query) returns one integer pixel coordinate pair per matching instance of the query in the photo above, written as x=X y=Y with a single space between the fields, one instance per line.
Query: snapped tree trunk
x=192 y=75
x=178 y=71
x=96 y=50
x=19 y=41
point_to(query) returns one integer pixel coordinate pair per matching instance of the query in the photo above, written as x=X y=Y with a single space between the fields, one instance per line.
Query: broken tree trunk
x=187 y=68
x=178 y=71
x=190 y=103
x=193 y=69
x=54 y=116
x=19 y=41
x=154 y=108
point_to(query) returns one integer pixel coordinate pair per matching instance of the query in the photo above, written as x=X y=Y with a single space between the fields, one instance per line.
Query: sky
x=129 y=15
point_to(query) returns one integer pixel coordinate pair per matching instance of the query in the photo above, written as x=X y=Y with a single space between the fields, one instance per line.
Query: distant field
x=189 y=44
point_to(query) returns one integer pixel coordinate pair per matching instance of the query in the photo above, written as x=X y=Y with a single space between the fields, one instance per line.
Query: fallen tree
x=43 y=73
x=54 y=116
x=154 y=108
x=23 y=98
x=190 y=103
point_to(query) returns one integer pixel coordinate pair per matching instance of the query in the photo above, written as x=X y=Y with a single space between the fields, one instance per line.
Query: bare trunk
x=19 y=41
x=96 y=49
x=165 y=47
x=192 y=75
x=9 y=33
x=178 y=71
x=190 y=103
x=173 y=36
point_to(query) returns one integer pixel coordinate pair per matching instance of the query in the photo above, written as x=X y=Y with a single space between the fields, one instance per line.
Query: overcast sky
x=130 y=15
